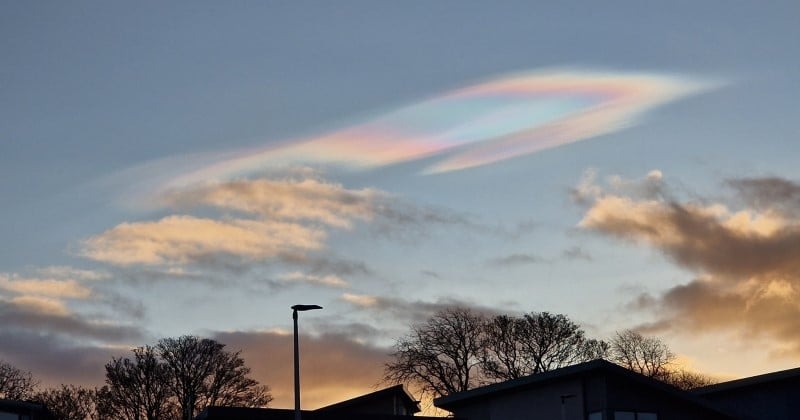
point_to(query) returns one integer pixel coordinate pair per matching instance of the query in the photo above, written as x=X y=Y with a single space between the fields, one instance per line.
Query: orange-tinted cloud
x=330 y=280
x=286 y=199
x=745 y=260
x=52 y=317
x=70 y=289
x=250 y=221
x=58 y=282
x=180 y=239
x=47 y=315
x=258 y=220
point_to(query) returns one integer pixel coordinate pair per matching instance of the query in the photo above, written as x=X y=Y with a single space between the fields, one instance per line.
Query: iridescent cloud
x=476 y=125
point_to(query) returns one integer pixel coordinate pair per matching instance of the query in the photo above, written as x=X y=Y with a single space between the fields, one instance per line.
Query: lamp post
x=295 y=309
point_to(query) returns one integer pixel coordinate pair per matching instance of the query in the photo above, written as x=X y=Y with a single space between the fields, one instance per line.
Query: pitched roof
x=536 y=379
x=396 y=390
x=750 y=381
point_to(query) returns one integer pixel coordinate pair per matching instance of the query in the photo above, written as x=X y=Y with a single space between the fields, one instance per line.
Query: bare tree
x=230 y=385
x=15 y=384
x=646 y=355
x=537 y=342
x=596 y=349
x=69 y=402
x=201 y=373
x=442 y=355
x=688 y=380
x=555 y=341
x=137 y=389
x=503 y=356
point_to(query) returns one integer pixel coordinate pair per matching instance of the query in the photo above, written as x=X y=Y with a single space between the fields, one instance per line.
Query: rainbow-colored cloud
x=476 y=125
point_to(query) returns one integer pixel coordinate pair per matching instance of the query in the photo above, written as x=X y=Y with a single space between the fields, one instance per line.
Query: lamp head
x=301 y=308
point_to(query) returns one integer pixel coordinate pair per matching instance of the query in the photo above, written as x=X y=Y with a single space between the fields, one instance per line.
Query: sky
x=199 y=167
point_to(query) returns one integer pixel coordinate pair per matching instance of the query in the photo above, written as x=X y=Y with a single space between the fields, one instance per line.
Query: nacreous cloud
x=745 y=260
x=476 y=125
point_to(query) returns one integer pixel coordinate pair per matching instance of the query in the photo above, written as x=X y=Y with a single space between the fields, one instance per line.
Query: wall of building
x=529 y=404
x=625 y=395
x=779 y=400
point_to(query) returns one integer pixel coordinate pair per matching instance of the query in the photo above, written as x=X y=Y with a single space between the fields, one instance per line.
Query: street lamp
x=295 y=309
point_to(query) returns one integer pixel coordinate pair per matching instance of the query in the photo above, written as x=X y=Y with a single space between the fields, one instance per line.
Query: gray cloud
x=54 y=361
x=413 y=311
x=575 y=253
x=516 y=260
x=431 y=273
x=327 y=264
x=25 y=315
x=513 y=260
x=769 y=193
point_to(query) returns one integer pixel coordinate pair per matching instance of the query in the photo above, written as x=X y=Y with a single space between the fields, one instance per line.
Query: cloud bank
x=744 y=259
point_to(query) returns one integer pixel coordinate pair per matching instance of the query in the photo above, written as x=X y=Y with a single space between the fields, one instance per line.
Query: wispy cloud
x=306 y=199
x=576 y=253
x=180 y=239
x=516 y=260
x=51 y=316
x=747 y=274
x=327 y=281
x=58 y=282
x=251 y=221
x=70 y=289
x=402 y=309
x=521 y=259
x=259 y=220
x=42 y=303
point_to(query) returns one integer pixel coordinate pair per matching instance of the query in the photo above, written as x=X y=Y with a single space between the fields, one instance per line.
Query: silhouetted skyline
x=198 y=168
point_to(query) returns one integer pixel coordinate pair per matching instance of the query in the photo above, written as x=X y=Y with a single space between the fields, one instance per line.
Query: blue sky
x=200 y=167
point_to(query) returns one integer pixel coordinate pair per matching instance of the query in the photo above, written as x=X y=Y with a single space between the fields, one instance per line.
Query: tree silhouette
x=688 y=380
x=441 y=355
x=553 y=341
x=136 y=389
x=537 y=342
x=642 y=354
x=70 y=402
x=652 y=358
x=503 y=355
x=15 y=384
x=202 y=373
x=177 y=378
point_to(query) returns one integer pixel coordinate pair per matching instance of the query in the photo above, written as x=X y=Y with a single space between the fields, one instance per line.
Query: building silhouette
x=600 y=390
